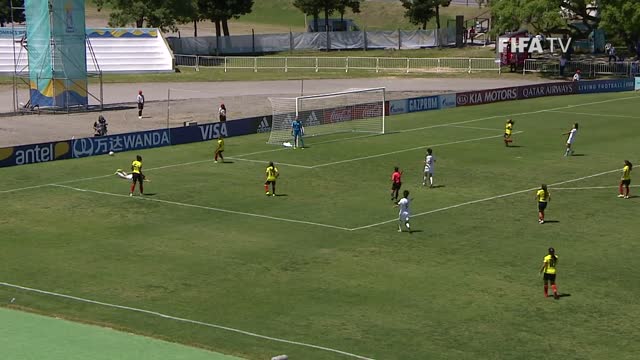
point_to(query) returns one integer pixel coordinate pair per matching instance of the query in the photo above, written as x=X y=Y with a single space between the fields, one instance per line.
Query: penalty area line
x=410 y=149
x=590 y=187
x=179 y=319
x=487 y=199
x=204 y=207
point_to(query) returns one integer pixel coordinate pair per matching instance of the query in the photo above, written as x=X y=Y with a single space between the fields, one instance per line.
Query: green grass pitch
x=324 y=264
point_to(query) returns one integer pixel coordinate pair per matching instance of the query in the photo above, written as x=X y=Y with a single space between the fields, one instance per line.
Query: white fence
x=346 y=64
x=587 y=68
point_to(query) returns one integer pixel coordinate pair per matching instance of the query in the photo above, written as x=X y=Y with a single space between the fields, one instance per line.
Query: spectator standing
x=140 y=103
x=222 y=113
x=612 y=54
x=563 y=64
x=472 y=34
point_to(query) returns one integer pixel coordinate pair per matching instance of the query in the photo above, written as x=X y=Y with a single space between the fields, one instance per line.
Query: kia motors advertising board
x=486 y=96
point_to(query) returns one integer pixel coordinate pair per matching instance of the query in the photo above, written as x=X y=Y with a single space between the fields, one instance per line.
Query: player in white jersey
x=126 y=176
x=404 y=213
x=429 y=163
x=572 y=137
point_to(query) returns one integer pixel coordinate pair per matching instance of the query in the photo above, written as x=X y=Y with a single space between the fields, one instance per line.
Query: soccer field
x=320 y=271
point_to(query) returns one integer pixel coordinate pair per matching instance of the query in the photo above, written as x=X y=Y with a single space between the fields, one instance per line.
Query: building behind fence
x=339 y=40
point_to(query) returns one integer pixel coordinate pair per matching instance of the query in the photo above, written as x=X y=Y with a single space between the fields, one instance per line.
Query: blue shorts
x=297 y=133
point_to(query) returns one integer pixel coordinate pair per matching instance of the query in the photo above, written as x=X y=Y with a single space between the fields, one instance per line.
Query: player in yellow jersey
x=138 y=177
x=272 y=174
x=508 y=129
x=542 y=197
x=219 y=149
x=626 y=179
x=548 y=270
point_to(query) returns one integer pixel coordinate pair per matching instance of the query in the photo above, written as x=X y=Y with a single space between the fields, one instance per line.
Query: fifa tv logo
x=532 y=45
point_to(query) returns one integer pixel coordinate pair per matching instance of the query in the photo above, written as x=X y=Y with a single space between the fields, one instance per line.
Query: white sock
x=407 y=225
x=431 y=181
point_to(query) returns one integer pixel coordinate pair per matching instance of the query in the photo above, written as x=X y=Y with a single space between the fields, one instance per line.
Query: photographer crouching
x=100 y=126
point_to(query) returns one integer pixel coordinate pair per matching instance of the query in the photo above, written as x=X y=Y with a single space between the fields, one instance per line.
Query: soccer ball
x=111 y=153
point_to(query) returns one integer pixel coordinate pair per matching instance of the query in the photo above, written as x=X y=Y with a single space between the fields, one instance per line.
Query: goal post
x=354 y=110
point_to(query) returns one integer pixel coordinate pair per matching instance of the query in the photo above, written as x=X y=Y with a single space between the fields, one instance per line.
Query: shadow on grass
x=578 y=155
x=149 y=194
x=551 y=221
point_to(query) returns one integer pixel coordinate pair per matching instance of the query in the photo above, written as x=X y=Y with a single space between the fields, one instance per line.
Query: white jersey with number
x=572 y=136
x=404 y=209
x=429 y=164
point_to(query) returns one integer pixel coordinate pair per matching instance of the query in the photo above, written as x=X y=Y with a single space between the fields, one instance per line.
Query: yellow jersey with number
x=508 y=128
x=626 y=173
x=220 y=144
x=136 y=167
x=543 y=196
x=272 y=173
x=551 y=263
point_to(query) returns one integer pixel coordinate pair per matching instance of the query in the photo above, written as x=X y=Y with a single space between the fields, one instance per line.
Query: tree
x=221 y=11
x=581 y=15
x=438 y=4
x=309 y=7
x=419 y=12
x=162 y=14
x=621 y=20
x=544 y=16
x=5 y=12
x=192 y=15
x=343 y=5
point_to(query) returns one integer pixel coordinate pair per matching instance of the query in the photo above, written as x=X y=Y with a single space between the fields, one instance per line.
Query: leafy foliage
x=5 y=12
x=621 y=19
x=419 y=12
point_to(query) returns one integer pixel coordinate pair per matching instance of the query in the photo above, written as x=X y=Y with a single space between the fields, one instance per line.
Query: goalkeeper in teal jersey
x=297 y=130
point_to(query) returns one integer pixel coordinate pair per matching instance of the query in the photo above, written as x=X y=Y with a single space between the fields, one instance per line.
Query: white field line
x=204 y=207
x=410 y=149
x=590 y=187
x=474 y=127
x=517 y=114
x=264 y=162
x=331 y=141
x=486 y=199
x=179 y=319
x=312 y=144
x=598 y=115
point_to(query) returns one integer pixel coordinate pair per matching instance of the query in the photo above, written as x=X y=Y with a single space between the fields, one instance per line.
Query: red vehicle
x=508 y=57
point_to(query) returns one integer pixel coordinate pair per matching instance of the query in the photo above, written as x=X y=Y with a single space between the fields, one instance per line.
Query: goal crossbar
x=353 y=110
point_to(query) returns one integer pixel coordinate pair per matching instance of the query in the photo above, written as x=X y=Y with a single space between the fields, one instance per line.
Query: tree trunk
x=225 y=27
x=342 y=16
x=195 y=28
x=438 y=17
x=326 y=18
x=316 y=21
x=424 y=25
x=217 y=22
x=139 y=22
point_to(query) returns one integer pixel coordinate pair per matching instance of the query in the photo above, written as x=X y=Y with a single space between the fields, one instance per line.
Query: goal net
x=356 y=110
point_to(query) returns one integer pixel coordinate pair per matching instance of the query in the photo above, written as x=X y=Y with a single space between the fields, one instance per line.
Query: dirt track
x=199 y=102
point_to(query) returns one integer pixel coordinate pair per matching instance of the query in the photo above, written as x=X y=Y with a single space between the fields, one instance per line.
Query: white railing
x=346 y=64
x=587 y=68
